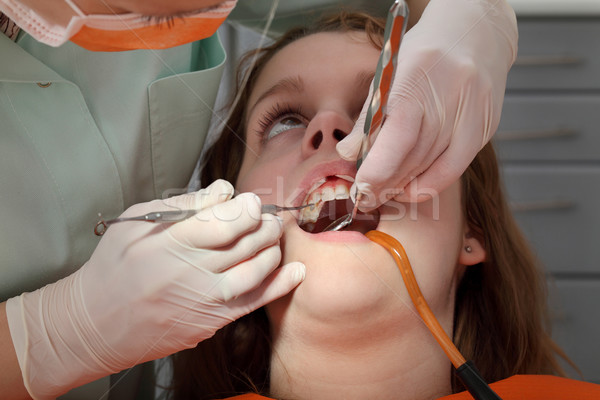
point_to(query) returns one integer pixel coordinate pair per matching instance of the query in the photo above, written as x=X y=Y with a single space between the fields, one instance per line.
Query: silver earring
x=468 y=249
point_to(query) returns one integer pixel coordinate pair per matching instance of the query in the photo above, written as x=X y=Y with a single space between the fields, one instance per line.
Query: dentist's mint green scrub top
x=83 y=133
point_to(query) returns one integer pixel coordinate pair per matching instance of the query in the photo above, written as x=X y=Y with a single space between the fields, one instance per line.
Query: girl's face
x=304 y=102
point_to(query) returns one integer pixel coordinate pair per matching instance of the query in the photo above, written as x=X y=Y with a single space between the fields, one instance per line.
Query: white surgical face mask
x=117 y=32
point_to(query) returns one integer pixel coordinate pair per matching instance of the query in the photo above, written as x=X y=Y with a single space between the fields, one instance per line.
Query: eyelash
x=168 y=20
x=277 y=112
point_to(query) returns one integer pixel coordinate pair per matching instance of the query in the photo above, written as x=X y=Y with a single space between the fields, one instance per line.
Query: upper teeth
x=340 y=191
x=318 y=196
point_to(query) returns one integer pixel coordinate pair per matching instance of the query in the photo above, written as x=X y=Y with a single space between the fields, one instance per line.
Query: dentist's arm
x=150 y=290
x=445 y=102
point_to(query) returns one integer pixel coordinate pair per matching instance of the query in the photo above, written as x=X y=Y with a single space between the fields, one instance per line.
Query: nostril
x=317 y=139
x=339 y=135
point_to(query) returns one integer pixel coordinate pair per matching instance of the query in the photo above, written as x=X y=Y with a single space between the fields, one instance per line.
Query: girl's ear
x=472 y=251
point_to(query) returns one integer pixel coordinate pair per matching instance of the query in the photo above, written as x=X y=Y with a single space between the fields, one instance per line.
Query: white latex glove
x=445 y=102
x=150 y=290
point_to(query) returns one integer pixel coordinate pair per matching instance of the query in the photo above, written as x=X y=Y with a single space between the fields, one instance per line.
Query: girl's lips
x=321 y=171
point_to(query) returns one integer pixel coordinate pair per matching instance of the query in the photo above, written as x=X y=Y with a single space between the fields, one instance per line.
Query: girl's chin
x=356 y=309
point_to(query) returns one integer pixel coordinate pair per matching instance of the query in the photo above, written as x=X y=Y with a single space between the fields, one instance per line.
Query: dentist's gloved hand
x=150 y=290
x=445 y=102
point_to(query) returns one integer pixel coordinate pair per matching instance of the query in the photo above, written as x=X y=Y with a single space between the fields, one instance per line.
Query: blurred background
x=549 y=144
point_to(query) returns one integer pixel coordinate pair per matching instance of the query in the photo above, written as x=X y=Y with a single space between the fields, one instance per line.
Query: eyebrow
x=289 y=85
x=295 y=84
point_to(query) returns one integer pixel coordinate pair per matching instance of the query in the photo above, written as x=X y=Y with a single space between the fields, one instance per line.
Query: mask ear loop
x=75 y=8
x=466 y=370
x=263 y=36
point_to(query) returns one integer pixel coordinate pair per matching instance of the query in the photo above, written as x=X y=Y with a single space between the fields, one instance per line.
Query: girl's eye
x=278 y=119
x=285 y=124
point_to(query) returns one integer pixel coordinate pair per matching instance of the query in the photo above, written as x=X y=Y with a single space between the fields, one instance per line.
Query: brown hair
x=500 y=316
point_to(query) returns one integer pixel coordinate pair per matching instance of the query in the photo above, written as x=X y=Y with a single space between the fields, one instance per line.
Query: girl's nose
x=324 y=131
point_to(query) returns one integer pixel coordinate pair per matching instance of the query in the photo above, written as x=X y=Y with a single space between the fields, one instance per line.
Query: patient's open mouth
x=331 y=197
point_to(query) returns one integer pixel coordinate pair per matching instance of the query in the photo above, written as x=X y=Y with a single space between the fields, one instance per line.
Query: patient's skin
x=349 y=330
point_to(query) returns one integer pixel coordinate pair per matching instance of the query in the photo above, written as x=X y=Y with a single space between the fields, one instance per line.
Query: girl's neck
x=358 y=359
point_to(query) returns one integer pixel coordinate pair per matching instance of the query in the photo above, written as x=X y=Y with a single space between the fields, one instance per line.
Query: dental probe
x=395 y=27
x=179 y=215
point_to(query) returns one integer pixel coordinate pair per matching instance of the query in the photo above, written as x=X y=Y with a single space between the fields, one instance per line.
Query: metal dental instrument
x=274 y=209
x=178 y=215
x=395 y=28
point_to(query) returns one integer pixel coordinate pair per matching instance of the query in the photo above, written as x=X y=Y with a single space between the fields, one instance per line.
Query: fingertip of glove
x=252 y=203
x=270 y=218
x=225 y=188
x=298 y=272
x=365 y=197
x=280 y=221
x=349 y=147
x=248 y=197
x=344 y=151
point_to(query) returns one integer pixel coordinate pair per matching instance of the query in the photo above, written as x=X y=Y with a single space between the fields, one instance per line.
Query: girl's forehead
x=316 y=54
x=323 y=44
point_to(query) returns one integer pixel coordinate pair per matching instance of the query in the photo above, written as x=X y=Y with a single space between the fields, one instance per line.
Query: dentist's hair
x=500 y=319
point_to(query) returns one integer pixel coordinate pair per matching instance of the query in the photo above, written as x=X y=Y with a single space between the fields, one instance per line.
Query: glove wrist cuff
x=56 y=341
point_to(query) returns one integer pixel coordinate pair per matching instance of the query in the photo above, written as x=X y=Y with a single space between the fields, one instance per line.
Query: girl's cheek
x=267 y=181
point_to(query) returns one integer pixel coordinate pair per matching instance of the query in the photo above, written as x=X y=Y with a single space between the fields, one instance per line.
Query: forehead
x=318 y=54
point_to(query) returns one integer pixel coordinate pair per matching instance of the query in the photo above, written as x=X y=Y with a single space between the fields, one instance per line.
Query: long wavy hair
x=500 y=317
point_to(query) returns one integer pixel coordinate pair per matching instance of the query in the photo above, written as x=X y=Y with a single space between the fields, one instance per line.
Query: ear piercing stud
x=468 y=249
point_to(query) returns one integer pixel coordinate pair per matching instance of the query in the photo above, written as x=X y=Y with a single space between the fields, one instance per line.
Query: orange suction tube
x=397 y=252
